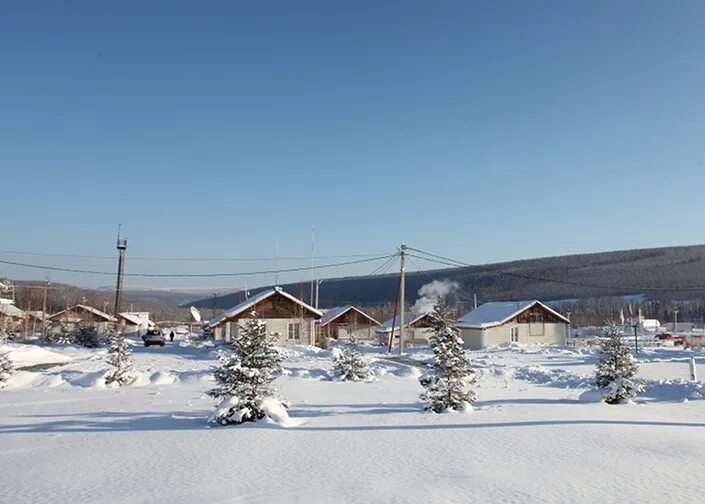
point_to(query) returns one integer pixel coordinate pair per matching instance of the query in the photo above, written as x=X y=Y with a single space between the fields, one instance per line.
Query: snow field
x=530 y=439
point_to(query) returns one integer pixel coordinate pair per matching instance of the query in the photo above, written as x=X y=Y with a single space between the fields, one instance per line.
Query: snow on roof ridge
x=239 y=308
x=496 y=313
x=386 y=326
x=331 y=314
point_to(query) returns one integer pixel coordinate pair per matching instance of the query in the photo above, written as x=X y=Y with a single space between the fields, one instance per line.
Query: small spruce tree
x=122 y=371
x=245 y=375
x=451 y=373
x=66 y=333
x=348 y=362
x=6 y=366
x=616 y=370
x=86 y=334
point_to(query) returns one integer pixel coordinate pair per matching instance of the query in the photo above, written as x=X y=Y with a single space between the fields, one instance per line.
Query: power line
x=191 y=259
x=452 y=262
x=194 y=275
x=380 y=270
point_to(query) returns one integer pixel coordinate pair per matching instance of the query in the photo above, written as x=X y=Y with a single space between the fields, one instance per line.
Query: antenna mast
x=122 y=247
x=313 y=245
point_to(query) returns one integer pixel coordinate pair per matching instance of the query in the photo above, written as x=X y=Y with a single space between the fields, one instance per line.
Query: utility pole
x=122 y=247
x=44 y=309
x=675 y=321
x=318 y=290
x=215 y=301
x=402 y=253
x=636 y=339
x=474 y=300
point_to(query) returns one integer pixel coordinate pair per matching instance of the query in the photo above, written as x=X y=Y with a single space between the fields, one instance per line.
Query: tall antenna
x=276 y=272
x=122 y=247
x=313 y=248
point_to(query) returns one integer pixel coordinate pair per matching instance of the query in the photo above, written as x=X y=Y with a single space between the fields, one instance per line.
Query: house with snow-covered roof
x=134 y=324
x=523 y=322
x=84 y=313
x=288 y=319
x=417 y=330
x=345 y=322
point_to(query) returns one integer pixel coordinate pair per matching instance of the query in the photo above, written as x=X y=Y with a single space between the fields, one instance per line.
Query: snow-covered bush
x=6 y=369
x=122 y=371
x=324 y=341
x=616 y=370
x=245 y=375
x=348 y=362
x=447 y=382
x=6 y=366
x=86 y=334
x=65 y=333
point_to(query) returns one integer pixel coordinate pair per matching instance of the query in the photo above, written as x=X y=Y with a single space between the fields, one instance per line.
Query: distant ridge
x=627 y=271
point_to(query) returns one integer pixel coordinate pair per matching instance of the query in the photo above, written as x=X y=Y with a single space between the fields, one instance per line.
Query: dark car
x=154 y=337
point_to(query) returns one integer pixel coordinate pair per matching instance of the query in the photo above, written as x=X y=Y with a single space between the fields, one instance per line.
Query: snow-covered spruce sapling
x=6 y=366
x=245 y=375
x=348 y=362
x=6 y=369
x=86 y=334
x=616 y=370
x=122 y=370
x=451 y=374
x=66 y=333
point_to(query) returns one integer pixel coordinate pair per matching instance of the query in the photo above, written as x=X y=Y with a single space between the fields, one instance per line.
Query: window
x=294 y=330
x=514 y=334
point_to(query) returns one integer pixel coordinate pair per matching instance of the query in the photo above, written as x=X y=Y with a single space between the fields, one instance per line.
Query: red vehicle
x=677 y=340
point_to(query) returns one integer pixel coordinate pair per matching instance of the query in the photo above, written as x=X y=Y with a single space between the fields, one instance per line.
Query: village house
x=523 y=322
x=134 y=324
x=84 y=313
x=345 y=322
x=288 y=319
x=12 y=319
x=417 y=330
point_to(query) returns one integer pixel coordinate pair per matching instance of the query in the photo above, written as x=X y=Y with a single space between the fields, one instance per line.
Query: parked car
x=673 y=338
x=154 y=337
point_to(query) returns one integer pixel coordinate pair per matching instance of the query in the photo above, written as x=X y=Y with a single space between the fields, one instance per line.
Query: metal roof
x=249 y=303
x=497 y=313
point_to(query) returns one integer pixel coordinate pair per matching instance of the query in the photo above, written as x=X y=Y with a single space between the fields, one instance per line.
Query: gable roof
x=257 y=298
x=132 y=318
x=10 y=310
x=333 y=313
x=89 y=309
x=409 y=318
x=497 y=313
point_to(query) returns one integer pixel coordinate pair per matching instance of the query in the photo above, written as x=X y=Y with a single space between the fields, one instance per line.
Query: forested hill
x=639 y=271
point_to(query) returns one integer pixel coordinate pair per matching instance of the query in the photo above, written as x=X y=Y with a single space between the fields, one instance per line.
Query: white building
x=288 y=319
x=523 y=322
x=134 y=324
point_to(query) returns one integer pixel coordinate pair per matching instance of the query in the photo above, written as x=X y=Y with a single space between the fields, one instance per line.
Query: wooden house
x=417 y=330
x=344 y=322
x=287 y=318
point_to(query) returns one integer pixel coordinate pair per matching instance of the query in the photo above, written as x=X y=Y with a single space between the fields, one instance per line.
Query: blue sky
x=483 y=131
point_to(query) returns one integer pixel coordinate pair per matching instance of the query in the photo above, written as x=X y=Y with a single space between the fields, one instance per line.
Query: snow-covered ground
x=64 y=437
